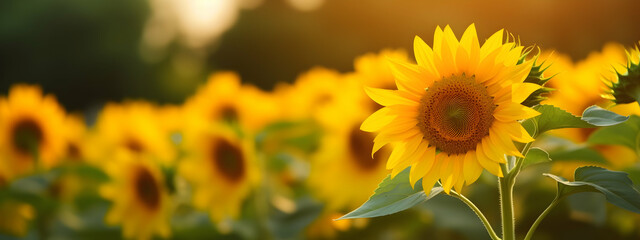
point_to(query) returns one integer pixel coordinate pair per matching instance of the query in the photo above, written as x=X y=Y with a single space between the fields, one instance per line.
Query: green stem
x=542 y=215
x=476 y=210
x=506 y=195
x=506 y=208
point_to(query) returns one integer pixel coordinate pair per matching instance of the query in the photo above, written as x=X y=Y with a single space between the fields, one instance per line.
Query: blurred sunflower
x=75 y=134
x=221 y=168
x=312 y=92
x=141 y=203
x=581 y=85
x=343 y=172
x=224 y=98
x=15 y=217
x=373 y=69
x=456 y=112
x=30 y=130
x=132 y=126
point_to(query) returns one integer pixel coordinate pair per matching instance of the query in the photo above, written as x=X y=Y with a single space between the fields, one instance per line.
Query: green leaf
x=536 y=155
x=616 y=186
x=625 y=134
x=599 y=117
x=582 y=154
x=552 y=117
x=392 y=196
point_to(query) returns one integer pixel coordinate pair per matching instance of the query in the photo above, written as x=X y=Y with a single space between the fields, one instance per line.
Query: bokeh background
x=89 y=52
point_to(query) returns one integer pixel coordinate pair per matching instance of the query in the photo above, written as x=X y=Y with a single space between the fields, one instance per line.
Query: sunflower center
x=360 y=145
x=27 y=135
x=228 y=113
x=228 y=159
x=147 y=189
x=134 y=145
x=455 y=114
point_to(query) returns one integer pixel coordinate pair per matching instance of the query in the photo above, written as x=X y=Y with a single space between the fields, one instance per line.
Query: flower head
x=456 y=111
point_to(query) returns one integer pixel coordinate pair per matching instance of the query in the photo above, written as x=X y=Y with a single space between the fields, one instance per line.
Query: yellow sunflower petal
x=471 y=168
x=423 y=165
x=510 y=112
x=521 y=91
x=388 y=97
x=377 y=120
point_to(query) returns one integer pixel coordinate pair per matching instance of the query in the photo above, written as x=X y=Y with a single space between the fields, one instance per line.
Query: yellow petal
x=490 y=166
x=515 y=130
x=491 y=151
x=510 y=112
x=423 y=165
x=471 y=168
x=377 y=120
x=492 y=43
x=388 y=97
x=423 y=54
x=396 y=154
x=408 y=76
x=505 y=143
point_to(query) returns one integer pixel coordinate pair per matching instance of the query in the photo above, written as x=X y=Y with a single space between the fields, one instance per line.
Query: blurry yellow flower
x=373 y=69
x=343 y=172
x=141 y=203
x=75 y=133
x=224 y=98
x=456 y=112
x=312 y=92
x=581 y=85
x=221 y=168
x=30 y=123
x=15 y=217
x=134 y=127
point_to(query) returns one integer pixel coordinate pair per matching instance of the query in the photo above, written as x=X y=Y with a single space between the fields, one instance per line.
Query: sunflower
x=132 y=126
x=373 y=69
x=581 y=85
x=225 y=98
x=30 y=130
x=312 y=92
x=221 y=169
x=343 y=172
x=141 y=203
x=75 y=134
x=15 y=217
x=456 y=111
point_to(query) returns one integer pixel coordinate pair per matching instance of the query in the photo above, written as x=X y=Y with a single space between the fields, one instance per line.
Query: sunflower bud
x=536 y=75
x=625 y=88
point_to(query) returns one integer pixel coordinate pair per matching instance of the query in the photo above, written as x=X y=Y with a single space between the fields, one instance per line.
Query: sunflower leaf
x=392 y=196
x=535 y=156
x=552 y=117
x=616 y=186
x=582 y=154
x=625 y=134
x=600 y=117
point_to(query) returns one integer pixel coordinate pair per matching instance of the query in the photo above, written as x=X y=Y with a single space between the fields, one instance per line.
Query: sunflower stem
x=478 y=213
x=533 y=228
x=506 y=207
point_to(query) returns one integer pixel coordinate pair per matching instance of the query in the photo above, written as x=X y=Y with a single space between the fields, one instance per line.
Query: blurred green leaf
x=600 y=117
x=625 y=134
x=616 y=186
x=581 y=154
x=290 y=225
x=552 y=117
x=588 y=207
x=536 y=155
x=392 y=196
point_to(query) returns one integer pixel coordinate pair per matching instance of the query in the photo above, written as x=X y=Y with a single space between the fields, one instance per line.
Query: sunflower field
x=319 y=119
